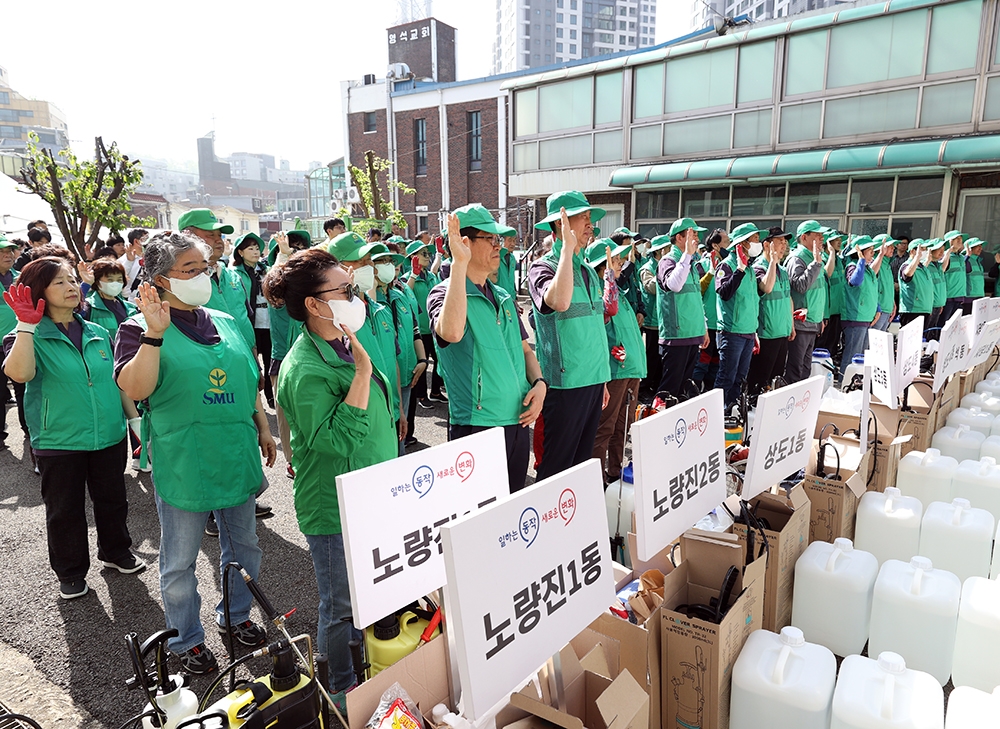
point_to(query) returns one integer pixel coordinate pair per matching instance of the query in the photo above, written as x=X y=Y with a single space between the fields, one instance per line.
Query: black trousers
x=830 y=338
x=767 y=364
x=950 y=307
x=19 y=401
x=905 y=319
x=569 y=427
x=798 y=362
x=678 y=366
x=419 y=391
x=66 y=480
x=654 y=364
x=518 y=449
x=263 y=337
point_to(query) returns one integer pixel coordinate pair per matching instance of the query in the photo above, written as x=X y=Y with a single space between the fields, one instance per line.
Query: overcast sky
x=265 y=75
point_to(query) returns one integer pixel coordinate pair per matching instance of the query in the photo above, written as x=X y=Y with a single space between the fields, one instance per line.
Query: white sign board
x=525 y=575
x=909 y=348
x=783 y=428
x=981 y=310
x=391 y=513
x=679 y=462
x=883 y=364
x=987 y=339
x=954 y=350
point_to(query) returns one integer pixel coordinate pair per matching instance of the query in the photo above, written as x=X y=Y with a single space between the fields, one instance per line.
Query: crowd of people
x=179 y=338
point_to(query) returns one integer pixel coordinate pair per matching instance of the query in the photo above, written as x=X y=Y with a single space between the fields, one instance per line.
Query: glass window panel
x=564 y=152
x=871 y=196
x=525 y=157
x=954 y=36
x=800 y=123
x=792 y=224
x=608 y=146
x=756 y=201
x=763 y=223
x=651 y=230
x=981 y=218
x=992 y=111
x=647 y=141
x=526 y=112
x=918 y=193
x=698 y=135
x=911 y=228
x=701 y=80
x=608 y=98
x=877 y=49
x=806 y=58
x=753 y=129
x=869 y=226
x=649 y=91
x=947 y=104
x=755 y=83
x=817 y=198
x=871 y=114
x=566 y=105
x=707 y=203
x=657 y=204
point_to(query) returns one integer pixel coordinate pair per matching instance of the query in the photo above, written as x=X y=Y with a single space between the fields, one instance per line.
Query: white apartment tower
x=703 y=12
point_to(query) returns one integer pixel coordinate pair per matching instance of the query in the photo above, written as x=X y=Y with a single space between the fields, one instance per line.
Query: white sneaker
x=140 y=469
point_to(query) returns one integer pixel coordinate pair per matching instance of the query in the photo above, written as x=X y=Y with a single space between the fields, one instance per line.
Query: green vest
x=775 y=320
x=861 y=302
x=623 y=329
x=72 y=403
x=740 y=314
x=814 y=299
x=886 y=286
x=230 y=296
x=484 y=371
x=284 y=331
x=567 y=340
x=916 y=296
x=8 y=320
x=955 y=279
x=650 y=301
x=100 y=314
x=421 y=287
x=680 y=312
x=404 y=321
x=378 y=337
x=940 y=288
x=838 y=284
x=977 y=285
x=198 y=422
x=709 y=299
x=505 y=274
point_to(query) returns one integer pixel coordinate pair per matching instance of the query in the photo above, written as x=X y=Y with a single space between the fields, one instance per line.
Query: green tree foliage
x=363 y=180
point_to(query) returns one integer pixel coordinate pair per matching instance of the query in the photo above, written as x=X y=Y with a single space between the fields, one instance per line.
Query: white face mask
x=350 y=314
x=111 y=288
x=755 y=249
x=386 y=272
x=364 y=278
x=192 y=291
x=641 y=249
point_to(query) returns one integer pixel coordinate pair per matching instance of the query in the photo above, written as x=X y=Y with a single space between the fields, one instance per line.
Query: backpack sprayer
x=291 y=695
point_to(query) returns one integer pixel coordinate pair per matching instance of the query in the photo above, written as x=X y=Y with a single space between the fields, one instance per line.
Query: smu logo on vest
x=215 y=395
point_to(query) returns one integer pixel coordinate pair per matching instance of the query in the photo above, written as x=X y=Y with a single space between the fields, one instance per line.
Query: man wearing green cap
x=836 y=280
x=508 y=263
x=775 y=323
x=682 y=333
x=808 y=281
x=492 y=375
x=739 y=306
x=975 y=275
x=916 y=291
x=886 y=282
x=651 y=322
x=860 y=298
x=628 y=282
x=568 y=308
x=935 y=266
x=955 y=277
x=422 y=278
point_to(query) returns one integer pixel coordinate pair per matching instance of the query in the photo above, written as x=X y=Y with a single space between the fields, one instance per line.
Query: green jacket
x=861 y=302
x=680 y=312
x=329 y=437
x=567 y=340
x=72 y=403
x=404 y=319
x=100 y=314
x=709 y=299
x=886 y=287
x=484 y=371
x=740 y=315
x=230 y=295
x=916 y=296
x=649 y=301
x=422 y=286
x=955 y=279
x=623 y=329
x=814 y=300
x=505 y=275
x=940 y=287
x=775 y=320
x=284 y=331
x=977 y=284
x=378 y=337
x=838 y=285
x=7 y=318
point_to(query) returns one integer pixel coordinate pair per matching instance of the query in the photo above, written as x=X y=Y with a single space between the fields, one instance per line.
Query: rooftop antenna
x=409 y=11
x=722 y=23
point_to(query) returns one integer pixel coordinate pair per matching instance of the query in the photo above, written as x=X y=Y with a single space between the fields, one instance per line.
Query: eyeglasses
x=491 y=239
x=190 y=272
x=346 y=289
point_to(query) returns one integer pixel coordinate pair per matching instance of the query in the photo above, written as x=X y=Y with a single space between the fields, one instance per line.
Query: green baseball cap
x=595 y=254
x=415 y=247
x=248 y=238
x=506 y=231
x=809 y=226
x=883 y=238
x=387 y=255
x=476 y=216
x=203 y=219
x=658 y=242
x=575 y=204
x=350 y=246
x=682 y=224
x=4 y=243
x=830 y=234
x=916 y=243
x=396 y=239
x=955 y=234
x=742 y=232
x=626 y=232
x=861 y=243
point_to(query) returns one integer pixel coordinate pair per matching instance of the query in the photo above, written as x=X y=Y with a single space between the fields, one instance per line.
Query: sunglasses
x=350 y=291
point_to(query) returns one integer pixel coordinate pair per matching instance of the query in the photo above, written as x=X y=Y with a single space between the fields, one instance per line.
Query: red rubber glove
x=800 y=314
x=756 y=344
x=415 y=265
x=618 y=352
x=741 y=254
x=18 y=298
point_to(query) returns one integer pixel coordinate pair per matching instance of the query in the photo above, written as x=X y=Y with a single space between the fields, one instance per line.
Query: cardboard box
x=698 y=655
x=844 y=422
x=833 y=502
x=787 y=539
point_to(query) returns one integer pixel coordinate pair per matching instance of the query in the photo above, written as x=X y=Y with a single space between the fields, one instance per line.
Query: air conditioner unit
x=334 y=207
x=352 y=195
x=338 y=195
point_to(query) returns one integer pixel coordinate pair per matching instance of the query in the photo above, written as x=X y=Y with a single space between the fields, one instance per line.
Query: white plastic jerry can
x=926 y=475
x=958 y=538
x=975 y=417
x=990 y=385
x=984 y=400
x=977 y=640
x=979 y=482
x=915 y=614
x=969 y=708
x=885 y=694
x=959 y=442
x=782 y=682
x=832 y=600
x=990 y=448
x=888 y=525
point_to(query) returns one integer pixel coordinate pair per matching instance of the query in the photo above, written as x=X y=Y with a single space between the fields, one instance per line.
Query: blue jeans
x=735 y=352
x=855 y=342
x=884 y=319
x=181 y=534
x=333 y=632
x=404 y=408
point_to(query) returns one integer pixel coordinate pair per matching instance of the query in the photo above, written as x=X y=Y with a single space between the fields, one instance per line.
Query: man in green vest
x=935 y=266
x=974 y=272
x=421 y=280
x=807 y=279
x=628 y=282
x=738 y=307
x=508 y=262
x=886 y=281
x=683 y=333
x=774 y=330
x=916 y=291
x=955 y=278
x=861 y=298
x=715 y=249
x=492 y=375
x=569 y=314
x=651 y=323
x=836 y=280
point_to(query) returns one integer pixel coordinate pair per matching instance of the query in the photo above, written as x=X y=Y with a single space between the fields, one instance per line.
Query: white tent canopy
x=17 y=209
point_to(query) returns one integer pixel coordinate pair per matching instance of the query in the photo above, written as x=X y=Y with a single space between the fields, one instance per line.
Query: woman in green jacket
x=66 y=362
x=106 y=306
x=250 y=267
x=339 y=410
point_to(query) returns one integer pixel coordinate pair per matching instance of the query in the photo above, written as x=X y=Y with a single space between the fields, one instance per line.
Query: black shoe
x=73 y=588
x=212 y=527
x=270 y=402
x=261 y=509
x=437 y=397
x=126 y=565
x=198 y=660
x=248 y=633
x=425 y=403
x=410 y=440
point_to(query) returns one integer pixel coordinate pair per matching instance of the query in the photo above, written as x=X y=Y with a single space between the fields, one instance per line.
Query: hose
x=138 y=717
x=228 y=671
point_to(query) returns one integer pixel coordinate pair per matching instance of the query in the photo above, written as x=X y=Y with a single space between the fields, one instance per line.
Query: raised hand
x=691 y=244
x=86 y=271
x=568 y=236
x=18 y=298
x=461 y=249
x=284 y=247
x=155 y=312
x=362 y=362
